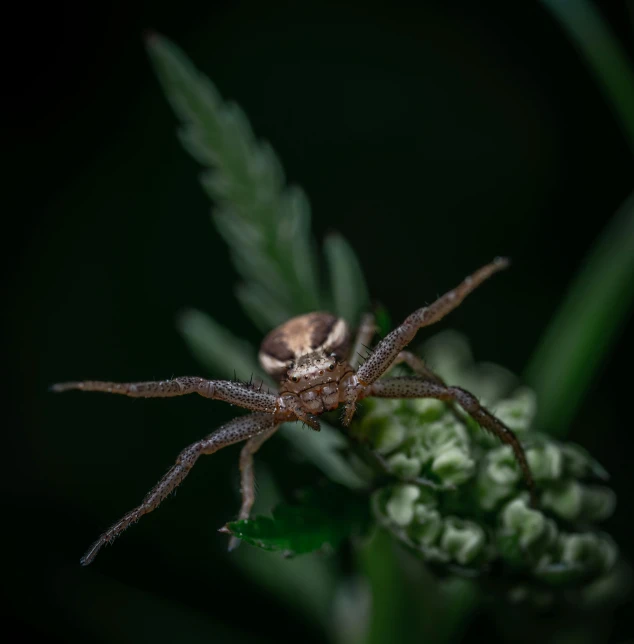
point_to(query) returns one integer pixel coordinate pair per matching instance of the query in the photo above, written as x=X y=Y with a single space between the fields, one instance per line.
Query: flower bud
x=545 y=461
x=427 y=410
x=444 y=433
x=501 y=466
x=403 y=466
x=453 y=465
x=596 y=552
x=528 y=525
x=564 y=499
x=462 y=540
x=427 y=525
x=400 y=507
x=385 y=432
x=579 y=464
x=598 y=502
x=517 y=412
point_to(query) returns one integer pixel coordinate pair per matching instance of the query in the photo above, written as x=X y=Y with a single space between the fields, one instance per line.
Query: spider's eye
x=331 y=367
x=294 y=378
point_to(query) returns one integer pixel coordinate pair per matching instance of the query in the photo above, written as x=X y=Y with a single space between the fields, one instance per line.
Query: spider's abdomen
x=302 y=335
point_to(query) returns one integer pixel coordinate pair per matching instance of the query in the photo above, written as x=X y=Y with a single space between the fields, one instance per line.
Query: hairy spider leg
x=236 y=393
x=365 y=333
x=418 y=366
x=388 y=349
x=234 y=431
x=247 y=476
x=413 y=387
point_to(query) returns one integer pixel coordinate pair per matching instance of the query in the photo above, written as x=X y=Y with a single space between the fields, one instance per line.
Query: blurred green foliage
x=599 y=300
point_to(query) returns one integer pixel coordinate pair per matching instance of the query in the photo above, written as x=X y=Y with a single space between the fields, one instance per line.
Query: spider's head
x=312 y=369
x=306 y=349
x=314 y=378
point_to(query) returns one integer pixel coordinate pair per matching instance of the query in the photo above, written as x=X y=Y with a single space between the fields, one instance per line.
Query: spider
x=310 y=357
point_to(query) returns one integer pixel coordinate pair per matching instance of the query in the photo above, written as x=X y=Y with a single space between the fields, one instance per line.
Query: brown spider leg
x=413 y=387
x=388 y=349
x=234 y=431
x=365 y=333
x=236 y=393
x=307 y=419
x=418 y=366
x=247 y=476
x=290 y=408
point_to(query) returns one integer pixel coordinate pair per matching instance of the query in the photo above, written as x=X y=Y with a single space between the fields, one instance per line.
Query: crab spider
x=310 y=357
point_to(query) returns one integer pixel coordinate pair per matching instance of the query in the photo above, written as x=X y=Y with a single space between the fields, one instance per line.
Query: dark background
x=434 y=138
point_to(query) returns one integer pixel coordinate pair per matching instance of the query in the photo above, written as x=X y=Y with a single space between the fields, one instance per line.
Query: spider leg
x=412 y=387
x=307 y=419
x=392 y=344
x=247 y=476
x=388 y=349
x=234 y=431
x=418 y=366
x=365 y=333
x=236 y=393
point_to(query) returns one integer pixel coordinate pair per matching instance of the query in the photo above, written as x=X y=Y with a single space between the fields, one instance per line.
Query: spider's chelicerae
x=310 y=356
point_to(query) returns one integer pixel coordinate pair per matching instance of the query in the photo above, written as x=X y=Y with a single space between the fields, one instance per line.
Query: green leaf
x=586 y=325
x=306 y=584
x=265 y=223
x=323 y=516
x=600 y=298
x=346 y=279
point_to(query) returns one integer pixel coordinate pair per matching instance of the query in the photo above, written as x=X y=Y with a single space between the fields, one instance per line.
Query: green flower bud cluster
x=457 y=496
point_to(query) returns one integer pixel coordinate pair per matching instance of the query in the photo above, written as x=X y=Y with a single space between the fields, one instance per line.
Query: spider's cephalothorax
x=308 y=355
x=317 y=370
